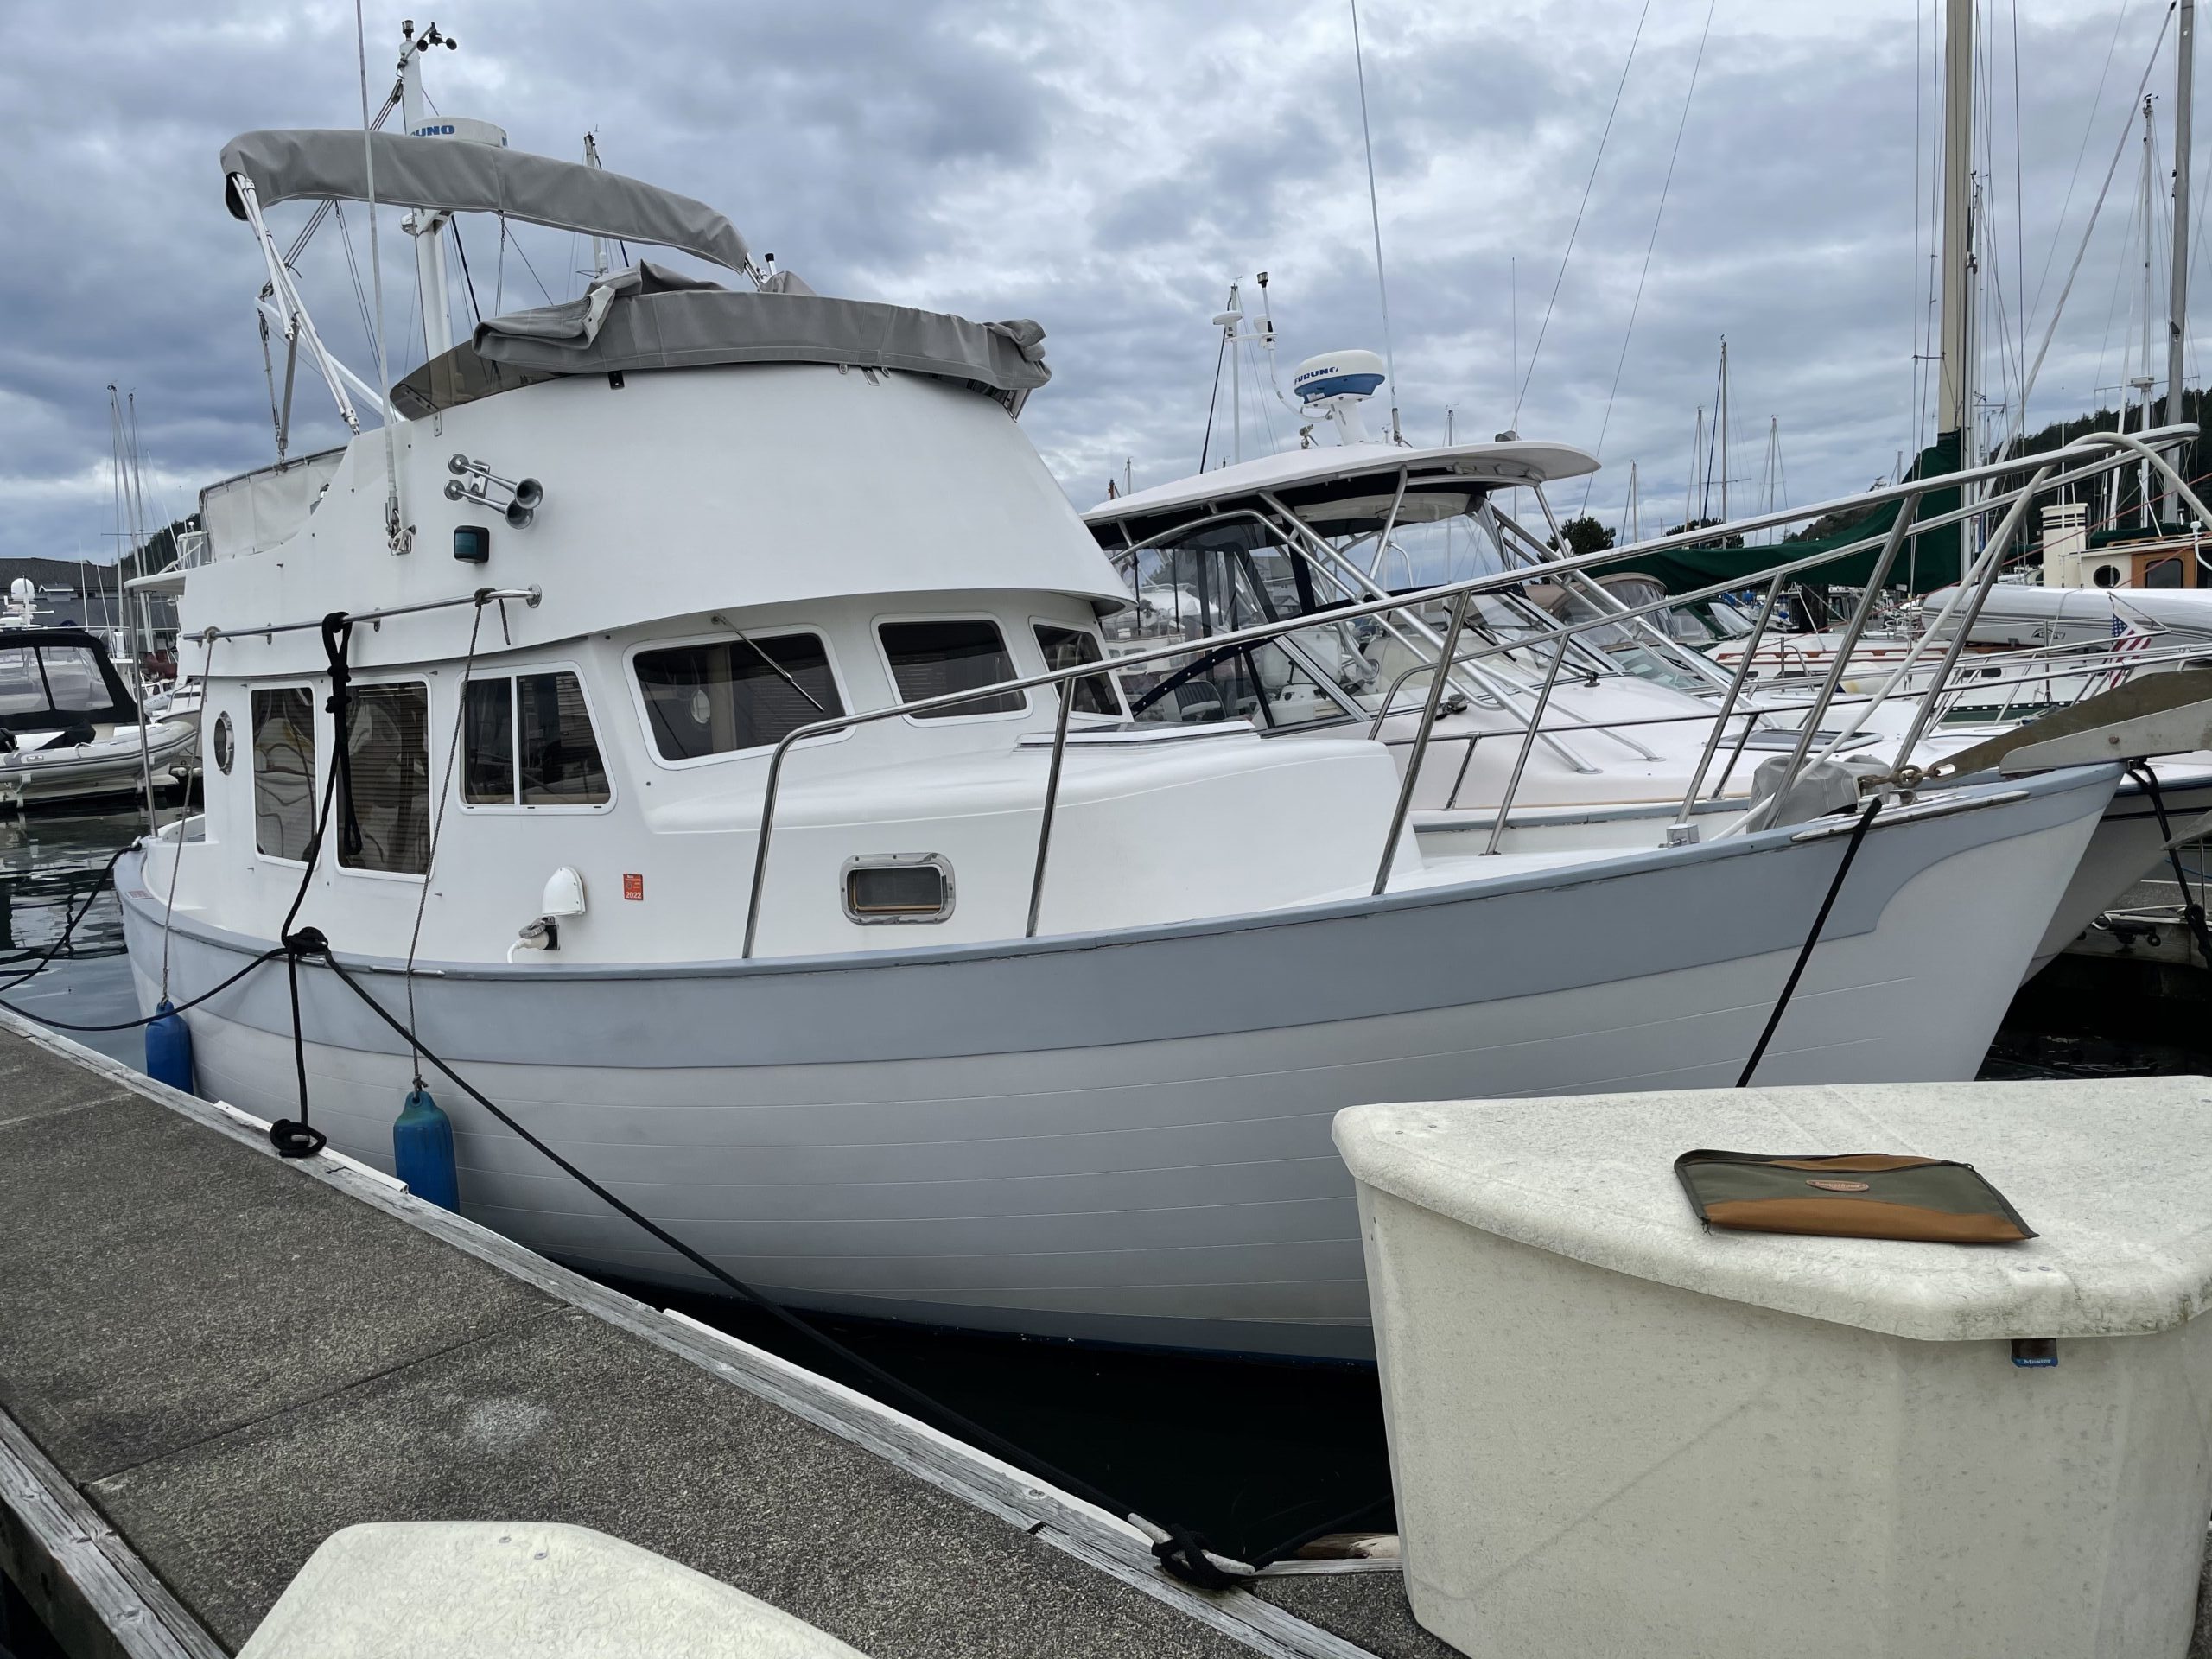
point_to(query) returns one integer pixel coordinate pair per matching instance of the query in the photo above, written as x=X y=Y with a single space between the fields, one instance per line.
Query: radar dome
x=1337 y=374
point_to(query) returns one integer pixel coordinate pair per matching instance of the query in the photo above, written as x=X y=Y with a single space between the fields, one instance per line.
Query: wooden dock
x=211 y=1359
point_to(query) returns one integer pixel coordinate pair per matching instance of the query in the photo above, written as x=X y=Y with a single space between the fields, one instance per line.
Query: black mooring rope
x=42 y=960
x=2192 y=912
x=1180 y=1550
x=298 y=1137
x=1805 y=955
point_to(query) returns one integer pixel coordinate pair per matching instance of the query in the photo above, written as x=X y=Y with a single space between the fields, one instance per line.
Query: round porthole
x=2105 y=575
x=223 y=744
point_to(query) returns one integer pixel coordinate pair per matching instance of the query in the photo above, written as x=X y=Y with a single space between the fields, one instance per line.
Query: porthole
x=898 y=887
x=222 y=743
x=2105 y=575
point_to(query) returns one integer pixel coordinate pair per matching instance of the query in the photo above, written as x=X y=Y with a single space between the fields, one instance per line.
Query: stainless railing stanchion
x=1052 y=801
x=1985 y=578
x=1528 y=742
x=1762 y=814
x=1436 y=684
x=1728 y=703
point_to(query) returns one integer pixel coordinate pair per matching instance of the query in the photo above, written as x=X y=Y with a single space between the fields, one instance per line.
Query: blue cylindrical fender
x=422 y=1151
x=169 y=1048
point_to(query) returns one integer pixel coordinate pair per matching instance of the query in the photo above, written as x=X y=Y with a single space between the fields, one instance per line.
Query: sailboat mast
x=2178 y=298
x=2143 y=381
x=1723 y=416
x=1954 y=398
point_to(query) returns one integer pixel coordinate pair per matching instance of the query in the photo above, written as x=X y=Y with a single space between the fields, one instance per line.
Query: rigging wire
x=2058 y=308
x=353 y=271
x=468 y=281
x=1213 y=400
x=2088 y=130
x=437 y=828
x=523 y=254
x=1375 y=219
x=1588 y=184
x=1658 y=214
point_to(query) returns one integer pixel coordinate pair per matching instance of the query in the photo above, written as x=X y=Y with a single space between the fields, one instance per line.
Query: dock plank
x=230 y=1358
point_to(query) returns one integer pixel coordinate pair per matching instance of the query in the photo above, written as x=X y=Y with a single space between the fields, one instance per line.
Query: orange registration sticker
x=633 y=886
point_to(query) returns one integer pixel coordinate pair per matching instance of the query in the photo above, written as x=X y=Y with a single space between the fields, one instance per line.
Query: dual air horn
x=472 y=480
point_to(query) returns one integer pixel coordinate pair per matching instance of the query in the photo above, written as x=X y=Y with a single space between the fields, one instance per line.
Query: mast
x=1635 y=525
x=1721 y=414
x=1692 y=507
x=427 y=228
x=597 y=242
x=1955 y=399
x=2143 y=381
x=2177 y=295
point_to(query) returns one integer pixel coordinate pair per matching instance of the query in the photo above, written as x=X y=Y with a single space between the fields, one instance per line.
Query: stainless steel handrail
x=530 y=596
x=2093 y=447
x=1437 y=681
x=1853 y=631
x=1727 y=707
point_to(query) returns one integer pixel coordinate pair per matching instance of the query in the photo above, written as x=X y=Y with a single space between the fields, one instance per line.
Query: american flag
x=2126 y=636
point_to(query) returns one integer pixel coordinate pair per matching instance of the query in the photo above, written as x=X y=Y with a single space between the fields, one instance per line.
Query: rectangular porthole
x=898 y=887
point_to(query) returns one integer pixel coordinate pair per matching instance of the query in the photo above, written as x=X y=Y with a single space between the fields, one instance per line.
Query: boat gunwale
x=1976 y=797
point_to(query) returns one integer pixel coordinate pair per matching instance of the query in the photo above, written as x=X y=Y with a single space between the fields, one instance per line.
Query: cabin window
x=388 y=755
x=743 y=693
x=1094 y=694
x=72 y=678
x=284 y=771
x=898 y=887
x=2161 y=573
x=21 y=691
x=929 y=659
x=556 y=762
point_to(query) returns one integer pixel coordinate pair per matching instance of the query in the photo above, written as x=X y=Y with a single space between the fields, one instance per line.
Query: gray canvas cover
x=456 y=175
x=650 y=317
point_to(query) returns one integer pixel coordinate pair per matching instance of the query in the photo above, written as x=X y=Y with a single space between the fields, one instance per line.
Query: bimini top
x=651 y=317
x=453 y=175
x=1343 y=487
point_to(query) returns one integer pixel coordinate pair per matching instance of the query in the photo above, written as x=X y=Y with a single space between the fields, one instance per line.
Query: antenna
x=1375 y=219
x=597 y=242
x=392 y=512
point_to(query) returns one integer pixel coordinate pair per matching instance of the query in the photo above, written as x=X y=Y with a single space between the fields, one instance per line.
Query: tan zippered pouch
x=1852 y=1195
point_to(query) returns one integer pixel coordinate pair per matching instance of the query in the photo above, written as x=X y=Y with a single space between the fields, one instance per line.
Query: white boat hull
x=112 y=766
x=1125 y=1136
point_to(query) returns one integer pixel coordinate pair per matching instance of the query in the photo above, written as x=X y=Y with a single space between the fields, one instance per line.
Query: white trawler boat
x=811 y=888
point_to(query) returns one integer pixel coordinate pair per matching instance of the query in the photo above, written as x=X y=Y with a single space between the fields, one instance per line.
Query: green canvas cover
x=1924 y=564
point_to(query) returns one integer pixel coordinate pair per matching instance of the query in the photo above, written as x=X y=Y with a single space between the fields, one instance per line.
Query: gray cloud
x=1107 y=166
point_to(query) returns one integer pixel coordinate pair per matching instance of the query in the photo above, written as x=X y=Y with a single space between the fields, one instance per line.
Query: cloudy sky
x=1109 y=167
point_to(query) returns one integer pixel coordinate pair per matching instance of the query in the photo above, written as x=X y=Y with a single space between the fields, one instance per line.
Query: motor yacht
x=685 y=710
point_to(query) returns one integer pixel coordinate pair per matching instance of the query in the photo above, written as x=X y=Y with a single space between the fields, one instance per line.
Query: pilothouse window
x=557 y=761
x=735 y=693
x=929 y=659
x=1071 y=648
x=388 y=761
x=284 y=771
